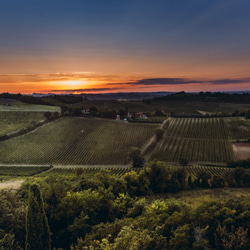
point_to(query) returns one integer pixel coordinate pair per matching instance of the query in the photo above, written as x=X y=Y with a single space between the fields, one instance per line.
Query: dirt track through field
x=11 y=184
x=241 y=151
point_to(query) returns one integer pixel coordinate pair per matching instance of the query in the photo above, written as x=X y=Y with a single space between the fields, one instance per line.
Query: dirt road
x=11 y=184
x=241 y=151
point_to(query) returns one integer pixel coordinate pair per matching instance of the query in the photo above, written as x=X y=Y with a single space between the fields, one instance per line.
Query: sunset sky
x=92 y=46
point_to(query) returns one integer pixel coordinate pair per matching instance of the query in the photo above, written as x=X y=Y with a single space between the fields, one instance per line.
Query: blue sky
x=122 y=41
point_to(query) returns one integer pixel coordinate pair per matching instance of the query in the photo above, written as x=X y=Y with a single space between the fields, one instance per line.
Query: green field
x=13 y=121
x=181 y=107
x=22 y=171
x=238 y=127
x=195 y=139
x=81 y=141
x=192 y=171
x=8 y=105
x=77 y=141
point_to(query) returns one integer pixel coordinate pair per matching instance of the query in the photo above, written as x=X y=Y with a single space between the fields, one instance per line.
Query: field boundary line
x=92 y=166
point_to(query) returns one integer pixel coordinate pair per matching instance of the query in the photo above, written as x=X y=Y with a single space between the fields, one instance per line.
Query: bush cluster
x=103 y=211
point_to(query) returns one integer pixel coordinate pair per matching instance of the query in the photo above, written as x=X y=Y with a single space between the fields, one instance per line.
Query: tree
x=231 y=239
x=63 y=109
x=159 y=134
x=217 y=182
x=159 y=113
x=130 y=238
x=93 y=110
x=202 y=180
x=108 y=114
x=56 y=115
x=8 y=242
x=77 y=111
x=37 y=228
x=190 y=182
x=79 y=171
x=12 y=221
x=181 y=238
x=247 y=114
x=122 y=113
x=183 y=161
x=136 y=155
x=48 y=116
x=159 y=176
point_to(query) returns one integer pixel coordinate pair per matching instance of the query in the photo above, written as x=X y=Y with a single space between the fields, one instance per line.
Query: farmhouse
x=140 y=115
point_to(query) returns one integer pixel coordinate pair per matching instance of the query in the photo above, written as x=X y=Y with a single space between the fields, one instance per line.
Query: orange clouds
x=89 y=82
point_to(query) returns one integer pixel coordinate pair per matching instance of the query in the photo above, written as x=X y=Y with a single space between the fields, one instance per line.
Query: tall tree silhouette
x=37 y=228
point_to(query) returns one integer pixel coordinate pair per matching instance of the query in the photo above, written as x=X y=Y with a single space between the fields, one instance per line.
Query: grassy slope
x=19 y=106
x=73 y=140
x=104 y=144
x=238 y=127
x=13 y=121
x=80 y=141
x=196 y=139
x=22 y=171
x=196 y=197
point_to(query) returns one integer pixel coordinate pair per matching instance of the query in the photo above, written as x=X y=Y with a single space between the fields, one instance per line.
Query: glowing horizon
x=75 y=83
x=120 y=46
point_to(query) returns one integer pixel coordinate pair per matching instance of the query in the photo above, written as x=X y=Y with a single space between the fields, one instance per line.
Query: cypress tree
x=37 y=227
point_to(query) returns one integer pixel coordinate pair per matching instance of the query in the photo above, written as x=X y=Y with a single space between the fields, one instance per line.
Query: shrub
x=79 y=171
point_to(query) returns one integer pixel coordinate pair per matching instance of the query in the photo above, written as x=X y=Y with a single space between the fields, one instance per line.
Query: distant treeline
x=26 y=99
x=240 y=163
x=66 y=99
x=208 y=97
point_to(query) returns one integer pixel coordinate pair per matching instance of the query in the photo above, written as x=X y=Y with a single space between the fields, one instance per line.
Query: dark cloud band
x=180 y=81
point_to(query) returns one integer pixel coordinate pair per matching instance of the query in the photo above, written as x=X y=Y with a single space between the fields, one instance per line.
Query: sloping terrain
x=239 y=128
x=11 y=122
x=194 y=139
x=77 y=141
x=16 y=105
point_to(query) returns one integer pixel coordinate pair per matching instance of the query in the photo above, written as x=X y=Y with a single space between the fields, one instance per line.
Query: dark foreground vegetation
x=152 y=205
x=242 y=164
x=103 y=211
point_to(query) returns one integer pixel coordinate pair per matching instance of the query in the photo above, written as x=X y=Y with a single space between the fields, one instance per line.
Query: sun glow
x=75 y=86
x=73 y=83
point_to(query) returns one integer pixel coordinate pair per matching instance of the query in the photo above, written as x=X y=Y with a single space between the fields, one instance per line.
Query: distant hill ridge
x=113 y=96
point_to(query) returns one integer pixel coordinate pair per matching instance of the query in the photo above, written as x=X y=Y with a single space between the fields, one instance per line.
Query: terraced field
x=195 y=139
x=77 y=141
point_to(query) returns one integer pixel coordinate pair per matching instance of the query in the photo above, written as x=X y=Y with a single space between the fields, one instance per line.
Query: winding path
x=11 y=184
